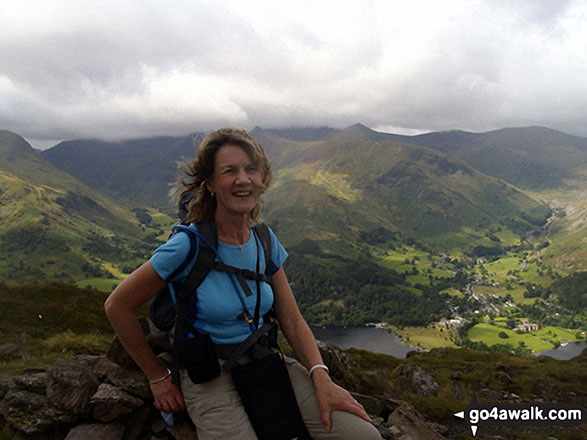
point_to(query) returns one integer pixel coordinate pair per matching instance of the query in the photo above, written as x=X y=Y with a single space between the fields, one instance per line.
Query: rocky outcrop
x=107 y=398
x=413 y=379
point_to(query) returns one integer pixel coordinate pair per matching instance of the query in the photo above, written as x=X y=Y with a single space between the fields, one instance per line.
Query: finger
x=325 y=416
x=359 y=411
x=178 y=404
x=173 y=406
x=180 y=401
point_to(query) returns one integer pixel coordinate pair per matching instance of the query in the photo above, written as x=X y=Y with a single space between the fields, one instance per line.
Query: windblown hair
x=202 y=206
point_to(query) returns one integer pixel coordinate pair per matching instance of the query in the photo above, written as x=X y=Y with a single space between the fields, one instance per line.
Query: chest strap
x=242 y=275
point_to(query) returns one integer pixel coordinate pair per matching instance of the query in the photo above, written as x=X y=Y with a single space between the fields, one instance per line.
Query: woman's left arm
x=330 y=396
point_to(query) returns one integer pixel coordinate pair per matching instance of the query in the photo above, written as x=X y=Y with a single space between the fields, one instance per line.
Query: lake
x=378 y=340
x=569 y=351
x=372 y=339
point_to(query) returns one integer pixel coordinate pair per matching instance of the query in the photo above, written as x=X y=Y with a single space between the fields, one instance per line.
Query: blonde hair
x=202 y=206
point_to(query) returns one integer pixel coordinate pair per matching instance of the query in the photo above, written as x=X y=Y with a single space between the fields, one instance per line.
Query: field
x=543 y=339
x=425 y=337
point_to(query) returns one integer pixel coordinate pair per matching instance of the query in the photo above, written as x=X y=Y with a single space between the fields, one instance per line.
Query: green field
x=543 y=339
x=425 y=337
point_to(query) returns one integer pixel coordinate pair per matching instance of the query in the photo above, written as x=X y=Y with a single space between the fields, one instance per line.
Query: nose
x=243 y=176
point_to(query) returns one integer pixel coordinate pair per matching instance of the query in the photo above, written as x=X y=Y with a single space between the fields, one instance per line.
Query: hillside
x=138 y=170
x=428 y=387
x=334 y=190
x=56 y=228
x=364 y=177
x=378 y=229
x=533 y=158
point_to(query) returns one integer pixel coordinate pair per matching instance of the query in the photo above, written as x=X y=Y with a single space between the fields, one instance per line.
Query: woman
x=227 y=178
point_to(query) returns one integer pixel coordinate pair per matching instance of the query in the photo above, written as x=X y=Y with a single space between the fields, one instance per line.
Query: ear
x=210 y=185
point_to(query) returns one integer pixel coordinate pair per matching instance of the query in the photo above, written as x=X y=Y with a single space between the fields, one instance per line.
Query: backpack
x=168 y=313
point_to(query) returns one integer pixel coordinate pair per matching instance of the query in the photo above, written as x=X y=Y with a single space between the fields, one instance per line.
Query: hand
x=332 y=397
x=168 y=397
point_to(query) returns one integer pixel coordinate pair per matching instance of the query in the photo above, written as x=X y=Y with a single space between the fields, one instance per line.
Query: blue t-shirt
x=218 y=302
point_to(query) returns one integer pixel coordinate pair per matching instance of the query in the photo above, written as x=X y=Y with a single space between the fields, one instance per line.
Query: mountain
x=55 y=227
x=353 y=182
x=301 y=134
x=359 y=132
x=533 y=158
x=355 y=192
x=334 y=190
x=140 y=170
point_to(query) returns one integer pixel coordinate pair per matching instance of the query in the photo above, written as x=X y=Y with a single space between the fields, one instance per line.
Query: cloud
x=140 y=68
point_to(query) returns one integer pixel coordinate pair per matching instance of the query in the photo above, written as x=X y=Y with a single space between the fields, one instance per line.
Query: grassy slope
x=53 y=225
x=44 y=310
x=543 y=339
x=458 y=372
x=402 y=187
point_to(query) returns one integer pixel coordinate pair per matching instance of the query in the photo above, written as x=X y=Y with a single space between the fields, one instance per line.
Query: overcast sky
x=124 y=69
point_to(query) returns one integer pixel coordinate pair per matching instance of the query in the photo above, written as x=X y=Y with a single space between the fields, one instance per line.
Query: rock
x=34 y=370
x=136 y=423
x=96 y=431
x=31 y=413
x=373 y=406
x=338 y=362
x=459 y=392
x=413 y=379
x=10 y=351
x=157 y=340
x=131 y=381
x=441 y=429
x=490 y=395
x=410 y=424
x=504 y=378
x=70 y=386
x=386 y=433
x=32 y=382
x=182 y=430
x=6 y=384
x=110 y=402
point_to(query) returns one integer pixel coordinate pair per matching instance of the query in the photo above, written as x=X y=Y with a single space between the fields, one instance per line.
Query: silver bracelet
x=167 y=374
x=317 y=366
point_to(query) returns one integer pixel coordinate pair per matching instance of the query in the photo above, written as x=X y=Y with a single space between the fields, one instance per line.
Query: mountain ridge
x=54 y=225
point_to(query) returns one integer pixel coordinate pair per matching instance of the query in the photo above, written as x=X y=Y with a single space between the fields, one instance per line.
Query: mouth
x=242 y=194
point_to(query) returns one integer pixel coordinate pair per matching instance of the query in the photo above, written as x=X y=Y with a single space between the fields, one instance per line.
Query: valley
x=424 y=233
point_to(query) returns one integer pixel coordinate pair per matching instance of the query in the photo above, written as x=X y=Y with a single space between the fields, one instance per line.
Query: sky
x=139 y=68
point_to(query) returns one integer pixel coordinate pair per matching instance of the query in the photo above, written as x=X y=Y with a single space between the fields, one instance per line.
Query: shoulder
x=171 y=255
x=277 y=251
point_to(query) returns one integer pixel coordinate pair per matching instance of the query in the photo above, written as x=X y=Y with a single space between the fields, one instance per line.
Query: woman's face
x=237 y=181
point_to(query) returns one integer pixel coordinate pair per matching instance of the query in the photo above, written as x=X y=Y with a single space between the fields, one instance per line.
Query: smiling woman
x=223 y=356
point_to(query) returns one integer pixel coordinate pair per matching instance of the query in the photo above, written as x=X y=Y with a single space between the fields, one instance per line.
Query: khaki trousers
x=216 y=409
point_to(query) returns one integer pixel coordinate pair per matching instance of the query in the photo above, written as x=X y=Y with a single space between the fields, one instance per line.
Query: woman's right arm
x=120 y=308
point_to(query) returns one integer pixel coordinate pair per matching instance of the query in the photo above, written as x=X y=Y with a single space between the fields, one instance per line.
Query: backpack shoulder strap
x=202 y=266
x=262 y=231
x=206 y=249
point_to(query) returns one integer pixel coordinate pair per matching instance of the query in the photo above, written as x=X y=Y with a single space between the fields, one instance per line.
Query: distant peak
x=359 y=126
x=13 y=143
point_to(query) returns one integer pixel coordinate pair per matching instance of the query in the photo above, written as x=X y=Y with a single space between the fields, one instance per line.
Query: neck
x=232 y=229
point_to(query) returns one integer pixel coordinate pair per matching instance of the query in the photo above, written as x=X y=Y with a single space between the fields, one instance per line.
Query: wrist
x=318 y=370
x=159 y=377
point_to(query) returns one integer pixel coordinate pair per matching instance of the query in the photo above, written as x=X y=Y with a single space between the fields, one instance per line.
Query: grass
x=42 y=310
x=543 y=339
x=69 y=342
x=460 y=372
x=101 y=284
x=425 y=337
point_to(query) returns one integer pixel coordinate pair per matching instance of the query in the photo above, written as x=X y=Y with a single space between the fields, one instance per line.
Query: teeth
x=243 y=193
